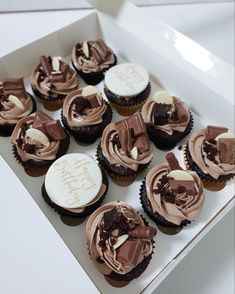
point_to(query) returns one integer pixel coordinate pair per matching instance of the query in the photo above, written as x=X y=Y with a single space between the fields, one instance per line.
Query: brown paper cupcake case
x=49 y=102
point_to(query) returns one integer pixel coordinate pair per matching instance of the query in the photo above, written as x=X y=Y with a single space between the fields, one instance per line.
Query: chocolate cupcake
x=80 y=187
x=38 y=140
x=124 y=150
x=52 y=80
x=127 y=87
x=172 y=197
x=168 y=120
x=15 y=103
x=85 y=114
x=210 y=153
x=91 y=59
x=120 y=242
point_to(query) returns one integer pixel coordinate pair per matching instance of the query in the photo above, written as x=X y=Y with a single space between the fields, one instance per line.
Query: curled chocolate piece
x=143 y=232
x=227 y=150
x=213 y=131
x=172 y=161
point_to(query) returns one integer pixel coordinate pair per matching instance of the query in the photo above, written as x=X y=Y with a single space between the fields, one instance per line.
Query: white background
x=209 y=268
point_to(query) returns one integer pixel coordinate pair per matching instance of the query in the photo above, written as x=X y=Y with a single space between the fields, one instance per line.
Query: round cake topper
x=73 y=180
x=127 y=79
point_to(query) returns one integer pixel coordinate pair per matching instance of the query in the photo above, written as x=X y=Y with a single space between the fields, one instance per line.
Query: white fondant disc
x=73 y=180
x=127 y=79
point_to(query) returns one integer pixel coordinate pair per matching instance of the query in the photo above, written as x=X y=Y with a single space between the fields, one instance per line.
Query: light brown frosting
x=53 y=89
x=195 y=145
x=91 y=117
x=43 y=152
x=188 y=208
x=117 y=156
x=110 y=262
x=88 y=65
x=147 y=114
x=11 y=113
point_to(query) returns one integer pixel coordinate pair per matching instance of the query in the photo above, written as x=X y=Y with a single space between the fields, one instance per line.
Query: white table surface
x=209 y=267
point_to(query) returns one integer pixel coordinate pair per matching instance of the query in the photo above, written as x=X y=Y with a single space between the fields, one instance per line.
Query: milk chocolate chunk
x=93 y=100
x=213 y=131
x=64 y=69
x=57 y=78
x=124 y=133
x=40 y=118
x=14 y=87
x=181 y=186
x=54 y=130
x=46 y=65
x=143 y=232
x=227 y=150
x=172 y=161
x=96 y=55
x=129 y=252
x=142 y=143
x=136 y=123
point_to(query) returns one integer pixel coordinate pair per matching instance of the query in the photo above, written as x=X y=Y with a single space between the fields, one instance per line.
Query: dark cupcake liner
x=7 y=129
x=119 y=101
x=87 y=211
x=155 y=216
x=116 y=170
x=93 y=78
x=190 y=164
x=31 y=164
x=163 y=141
x=89 y=134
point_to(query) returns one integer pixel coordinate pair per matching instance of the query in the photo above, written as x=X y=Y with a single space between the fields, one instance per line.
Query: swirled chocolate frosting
x=53 y=77
x=92 y=56
x=31 y=147
x=176 y=200
x=126 y=143
x=81 y=109
x=118 y=239
x=15 y=103
x=213 y=157
x=166 y=117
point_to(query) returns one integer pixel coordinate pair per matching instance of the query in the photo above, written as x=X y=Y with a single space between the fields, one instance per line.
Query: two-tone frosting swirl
x=182 y=206
x=199 y=149
x=92 y=56
x=103 y=237
x=11 y=111
x=78 y=111
x=53 y=82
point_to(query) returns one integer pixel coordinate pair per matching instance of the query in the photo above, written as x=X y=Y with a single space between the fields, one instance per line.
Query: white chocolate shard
x=225 y=136
x=120 y=240
x=16 y=101
x=163 y=97
x=56 y=63
x=37 y=135
x=134 y=152
x=180 y=175
x=85 y=49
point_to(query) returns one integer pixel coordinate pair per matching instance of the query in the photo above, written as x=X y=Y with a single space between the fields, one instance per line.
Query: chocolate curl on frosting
x=213 y=131
x=143 y=232
x=227 y=150
x=46 y=65
x=132 y=133
x=172 y=161
x=129 y=252
x=51 y=128
x=14 y=87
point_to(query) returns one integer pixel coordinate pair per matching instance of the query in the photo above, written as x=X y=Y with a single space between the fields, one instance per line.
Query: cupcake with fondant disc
x=172 y=197
x=120 y=242
x=210 y=152
x=80 y=187
x=15 y=103
x=167 y=118
x=125 y=151
x=127 y=87
x=52 y=80
x=38 y=140
x=85 y=114
x=91 y=59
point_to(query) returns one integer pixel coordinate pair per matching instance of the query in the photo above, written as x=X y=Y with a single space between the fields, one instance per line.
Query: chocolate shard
x=129 y=252
x=54 y=130
x=142 y=143
x=57 y=78
x=46 y=65
x=136 y=123
x=124 y=133
x=227 y=150
x=213 y=131
x=172 y=161
x=40 y=118
x=181 y=186
x=98 y=59
x=93 y=100
x=143 y=232
x=14 y=87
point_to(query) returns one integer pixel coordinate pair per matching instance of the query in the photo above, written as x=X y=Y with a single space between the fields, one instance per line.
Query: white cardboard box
x=175 y=63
